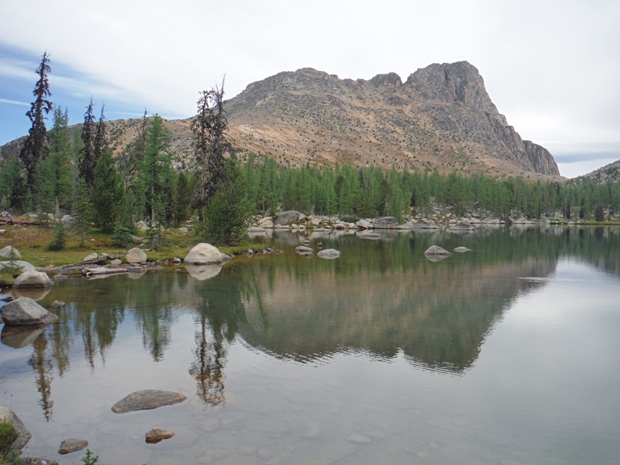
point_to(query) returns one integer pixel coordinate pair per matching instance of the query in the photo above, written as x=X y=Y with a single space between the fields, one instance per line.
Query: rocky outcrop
x=147 y=400
x=203 y=254
x=26 y=312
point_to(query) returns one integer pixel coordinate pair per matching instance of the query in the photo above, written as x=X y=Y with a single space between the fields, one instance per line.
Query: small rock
x=436 y=250
x=57 y=304
x=158 y=434
x=146 y=400
x=462 y=250
x=183 y=230
x=176 y=261
x=303 y=250
x=225 y=258
x=72 y=445
x=90 y=257
x=358 y=438
x=329 y=254
x=2 y=231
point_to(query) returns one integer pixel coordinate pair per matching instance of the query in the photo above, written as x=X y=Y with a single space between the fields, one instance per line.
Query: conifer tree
x=36 y=147
x=108 y=192
x=86 y=159
x=82 y=210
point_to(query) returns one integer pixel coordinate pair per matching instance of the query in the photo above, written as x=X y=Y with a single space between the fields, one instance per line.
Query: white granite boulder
x=33 y=279
x=203 y=254
x=136 y=255
x=25 y=311
x=10 y=253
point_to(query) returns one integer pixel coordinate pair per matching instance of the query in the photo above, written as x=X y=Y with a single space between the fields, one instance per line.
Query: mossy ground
x=32 y=240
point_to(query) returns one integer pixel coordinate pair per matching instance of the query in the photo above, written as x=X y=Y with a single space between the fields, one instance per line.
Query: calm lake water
x=509 y=354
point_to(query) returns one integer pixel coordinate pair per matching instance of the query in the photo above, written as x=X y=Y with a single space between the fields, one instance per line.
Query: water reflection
x=381 y=297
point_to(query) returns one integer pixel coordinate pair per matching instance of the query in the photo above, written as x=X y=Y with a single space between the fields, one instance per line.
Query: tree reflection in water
x=220 y=309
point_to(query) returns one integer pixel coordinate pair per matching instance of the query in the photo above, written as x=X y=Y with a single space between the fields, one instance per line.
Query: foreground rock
x=136 y=255
x=158 y=434
x=462 y=250
x=436 y=250
x=25 y=311
x=203 y=254
x=33 y=279
x=23 y=433
x=22 y=265
x=147 y=399
x=10 y=253
x=329 y=253
x=72 y=445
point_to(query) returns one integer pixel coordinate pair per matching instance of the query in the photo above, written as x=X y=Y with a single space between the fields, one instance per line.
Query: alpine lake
x=508 y=354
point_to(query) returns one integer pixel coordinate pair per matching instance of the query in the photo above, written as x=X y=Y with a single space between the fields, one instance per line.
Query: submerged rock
x=303 y=250
x=329 y=253
x=436 y=250
x=57 y=303
x=157 y=434
x=203 y=254
x=23 y=434
x=462 y=250
x=72 y=445
x=147 y=399
x=25 y=311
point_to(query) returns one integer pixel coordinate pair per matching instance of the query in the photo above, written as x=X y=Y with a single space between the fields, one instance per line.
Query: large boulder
x=10 y=253
x=364 y=224
x=90 y=257
x=287 y=217
x=25 y=311
x=147 y=399
x=387 y=222
x=33 y=279
x=136 y=255
x=329 y=253
x=23 y=434
x=203 y=254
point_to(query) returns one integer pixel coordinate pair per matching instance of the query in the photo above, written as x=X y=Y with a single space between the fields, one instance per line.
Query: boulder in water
x=25 y=311
x=329 y=253
x=147 y=399
x=203 y=254
x=436 y=250
x=33 y=279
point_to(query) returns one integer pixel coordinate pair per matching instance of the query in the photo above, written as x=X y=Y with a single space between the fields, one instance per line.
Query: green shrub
x=350 y=219
x=60 y=238
x=8 y=435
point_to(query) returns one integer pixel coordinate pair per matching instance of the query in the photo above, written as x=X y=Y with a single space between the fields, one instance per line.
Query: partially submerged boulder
x=147 y=399
x=203 y=254
x=136 y=255
x=158 y=434
x=33 y=279
x=72 y=445
x=329 y=253
x=23 y=433
x=436 y=250
x=462 y=250
x=303 y=250
x=25 y=311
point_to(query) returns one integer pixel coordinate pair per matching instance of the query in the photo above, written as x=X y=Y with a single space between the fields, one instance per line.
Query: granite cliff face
x=441 y=117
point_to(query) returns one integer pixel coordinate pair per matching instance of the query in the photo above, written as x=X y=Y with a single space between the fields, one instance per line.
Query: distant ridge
x=608 y=173
x=440 y=118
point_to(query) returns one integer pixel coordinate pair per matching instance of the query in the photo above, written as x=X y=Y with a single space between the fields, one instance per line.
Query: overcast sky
x=552 y=67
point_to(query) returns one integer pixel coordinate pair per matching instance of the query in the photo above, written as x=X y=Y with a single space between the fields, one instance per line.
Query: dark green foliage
x=124 y=227
x=90 y=458
x=350 y=218
x=107 y=195
x=229 y=209
x=155 y=179
x=58 y=162
x=83 y=211
x=86 y=161
x=13 y=187
x=36 y=147
x=8 y=435
x=60 y=238
x=599 y=214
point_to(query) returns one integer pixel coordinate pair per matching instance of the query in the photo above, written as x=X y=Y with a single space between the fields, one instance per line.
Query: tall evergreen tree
x=107 y=195
x=210 y=128
x=36 y=147
x=86 y=159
